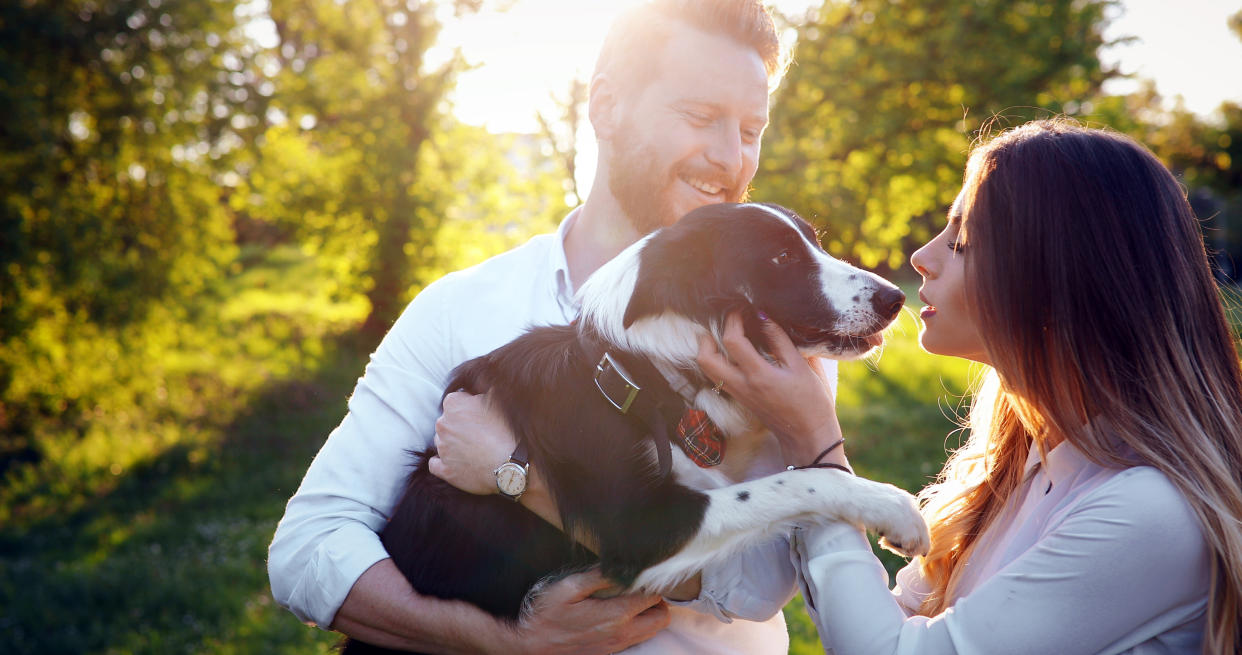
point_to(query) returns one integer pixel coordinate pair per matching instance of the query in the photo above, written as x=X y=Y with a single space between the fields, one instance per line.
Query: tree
x=561 y=134
x=117 y=112
x=872 y=125
x=119 y=115
x=357 y=77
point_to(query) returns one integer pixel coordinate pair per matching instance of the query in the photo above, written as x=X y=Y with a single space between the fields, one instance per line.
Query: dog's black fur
x=599 y=464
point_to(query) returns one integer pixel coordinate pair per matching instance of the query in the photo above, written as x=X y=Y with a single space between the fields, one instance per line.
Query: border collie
x=597 y=403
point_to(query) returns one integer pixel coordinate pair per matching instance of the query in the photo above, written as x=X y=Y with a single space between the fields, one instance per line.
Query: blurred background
x=212 y=210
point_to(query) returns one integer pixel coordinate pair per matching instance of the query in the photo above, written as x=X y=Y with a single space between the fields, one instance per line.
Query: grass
x=166 y=553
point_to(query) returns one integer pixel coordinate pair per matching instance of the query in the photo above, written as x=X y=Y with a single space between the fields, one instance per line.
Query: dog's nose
x=887 y=302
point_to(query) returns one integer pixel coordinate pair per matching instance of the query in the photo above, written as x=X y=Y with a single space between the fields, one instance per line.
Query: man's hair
x=637 y=37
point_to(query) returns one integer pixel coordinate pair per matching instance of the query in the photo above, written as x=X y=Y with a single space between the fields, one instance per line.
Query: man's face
x=691 y=136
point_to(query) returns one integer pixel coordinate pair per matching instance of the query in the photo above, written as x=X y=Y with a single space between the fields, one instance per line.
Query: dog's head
x=749 y=257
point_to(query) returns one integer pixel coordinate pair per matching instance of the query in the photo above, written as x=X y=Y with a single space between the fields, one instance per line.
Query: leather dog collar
x=636 y=389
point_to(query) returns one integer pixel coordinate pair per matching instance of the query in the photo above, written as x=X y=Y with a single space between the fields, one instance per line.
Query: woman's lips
x=929 y=309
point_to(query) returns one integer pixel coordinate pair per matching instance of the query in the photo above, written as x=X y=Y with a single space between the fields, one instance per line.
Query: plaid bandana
x=700 y=438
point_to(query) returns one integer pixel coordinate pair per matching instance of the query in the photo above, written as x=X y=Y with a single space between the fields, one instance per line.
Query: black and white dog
x=597 y=403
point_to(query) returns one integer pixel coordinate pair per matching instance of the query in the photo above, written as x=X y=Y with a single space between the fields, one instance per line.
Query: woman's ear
x=602 y=107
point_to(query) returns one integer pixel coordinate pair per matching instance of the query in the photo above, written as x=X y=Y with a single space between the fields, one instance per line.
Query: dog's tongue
x=876 y=339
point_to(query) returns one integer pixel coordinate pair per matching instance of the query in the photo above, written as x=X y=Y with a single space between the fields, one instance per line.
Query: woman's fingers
x=740 y=361
x=714 y=363
x=739 y=349
x=783 y=348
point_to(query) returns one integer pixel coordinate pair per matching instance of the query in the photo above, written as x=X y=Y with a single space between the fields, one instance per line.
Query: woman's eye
x=956 y=246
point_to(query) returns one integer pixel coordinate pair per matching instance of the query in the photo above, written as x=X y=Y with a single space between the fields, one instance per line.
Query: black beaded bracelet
x=817 y=464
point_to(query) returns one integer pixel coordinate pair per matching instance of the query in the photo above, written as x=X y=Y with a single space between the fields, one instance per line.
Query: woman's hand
x=472 y=439
x=790 y=394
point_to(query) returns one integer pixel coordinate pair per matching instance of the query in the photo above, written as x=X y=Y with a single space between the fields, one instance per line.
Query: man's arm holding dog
x=327 y=563
x=383 y=609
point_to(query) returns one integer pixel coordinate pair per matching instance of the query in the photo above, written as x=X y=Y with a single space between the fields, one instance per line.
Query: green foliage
x=150 y=140
x=119 y=114
x=356 y=76
x=102 y=216
x=871 y=127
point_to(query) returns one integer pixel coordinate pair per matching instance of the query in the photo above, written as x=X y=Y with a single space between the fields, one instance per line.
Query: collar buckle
x=615 y=383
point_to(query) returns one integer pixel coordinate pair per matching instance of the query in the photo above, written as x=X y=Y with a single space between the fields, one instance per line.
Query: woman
x=1096 y=507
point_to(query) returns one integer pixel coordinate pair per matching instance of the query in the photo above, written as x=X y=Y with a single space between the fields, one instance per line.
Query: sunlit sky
x=535 y=48
x=532 y=52
x=528 y=54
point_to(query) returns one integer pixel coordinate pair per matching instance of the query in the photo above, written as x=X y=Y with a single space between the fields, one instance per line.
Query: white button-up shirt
x=1083 y=559
x=328 y=536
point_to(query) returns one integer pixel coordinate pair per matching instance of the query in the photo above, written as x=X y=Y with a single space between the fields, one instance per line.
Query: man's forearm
x=383 y=609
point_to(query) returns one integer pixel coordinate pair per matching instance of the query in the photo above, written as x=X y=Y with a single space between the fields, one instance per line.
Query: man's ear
x=602 y=106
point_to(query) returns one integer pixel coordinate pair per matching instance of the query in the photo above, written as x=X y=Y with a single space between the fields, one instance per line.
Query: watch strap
x=519 y=455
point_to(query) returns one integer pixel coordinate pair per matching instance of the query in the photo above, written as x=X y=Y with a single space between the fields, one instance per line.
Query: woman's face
x=949 y=325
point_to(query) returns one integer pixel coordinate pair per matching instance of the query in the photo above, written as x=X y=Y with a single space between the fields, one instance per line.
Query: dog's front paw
x=900 y=525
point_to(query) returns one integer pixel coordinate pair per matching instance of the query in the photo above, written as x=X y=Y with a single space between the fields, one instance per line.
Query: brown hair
x=1095 y=300
x=637 y=37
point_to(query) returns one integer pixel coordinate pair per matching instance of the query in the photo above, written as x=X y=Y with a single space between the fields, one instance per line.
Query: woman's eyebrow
x=955 y=211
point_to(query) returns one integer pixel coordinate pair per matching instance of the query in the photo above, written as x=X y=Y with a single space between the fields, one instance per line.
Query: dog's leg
x=740 y=515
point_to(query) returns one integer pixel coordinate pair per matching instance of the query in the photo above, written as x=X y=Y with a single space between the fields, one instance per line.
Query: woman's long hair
x=1091 y=287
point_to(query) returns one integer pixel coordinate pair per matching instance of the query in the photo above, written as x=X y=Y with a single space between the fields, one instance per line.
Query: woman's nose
x=919 y=260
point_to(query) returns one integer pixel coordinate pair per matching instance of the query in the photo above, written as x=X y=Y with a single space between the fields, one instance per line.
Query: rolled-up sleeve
x=753 y=586
x=328 y=536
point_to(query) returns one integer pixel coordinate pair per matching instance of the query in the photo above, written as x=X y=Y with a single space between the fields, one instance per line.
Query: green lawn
x=166 y=553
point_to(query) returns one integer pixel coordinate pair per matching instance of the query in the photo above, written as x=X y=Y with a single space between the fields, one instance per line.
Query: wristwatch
x=511 y=476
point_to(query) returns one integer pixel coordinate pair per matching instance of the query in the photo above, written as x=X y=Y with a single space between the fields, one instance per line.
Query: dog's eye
x=785 y=257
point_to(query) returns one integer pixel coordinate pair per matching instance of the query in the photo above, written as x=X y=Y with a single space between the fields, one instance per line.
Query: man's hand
x=382 y=609
x=472 y=439
x=565 y=618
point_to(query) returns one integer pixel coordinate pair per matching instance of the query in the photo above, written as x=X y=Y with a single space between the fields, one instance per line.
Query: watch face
x=511 y=479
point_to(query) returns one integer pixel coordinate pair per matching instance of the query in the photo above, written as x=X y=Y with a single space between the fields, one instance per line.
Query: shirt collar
x=560 y=266
x=1059 y=464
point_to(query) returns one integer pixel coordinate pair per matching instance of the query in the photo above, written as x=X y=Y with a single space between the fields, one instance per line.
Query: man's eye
x=698 y=118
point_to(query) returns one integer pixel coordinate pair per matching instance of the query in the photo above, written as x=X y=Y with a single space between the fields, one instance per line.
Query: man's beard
x=641 y=190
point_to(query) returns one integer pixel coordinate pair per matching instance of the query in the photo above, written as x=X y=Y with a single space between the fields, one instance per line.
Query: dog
x=597 y=403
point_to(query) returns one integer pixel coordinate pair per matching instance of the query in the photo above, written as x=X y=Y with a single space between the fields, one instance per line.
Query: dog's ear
x=674 y=274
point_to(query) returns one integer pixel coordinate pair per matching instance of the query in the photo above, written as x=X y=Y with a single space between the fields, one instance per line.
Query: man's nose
x=726 y=150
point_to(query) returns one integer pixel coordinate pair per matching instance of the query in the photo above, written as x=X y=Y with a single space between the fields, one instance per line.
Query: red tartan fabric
x=700 y=438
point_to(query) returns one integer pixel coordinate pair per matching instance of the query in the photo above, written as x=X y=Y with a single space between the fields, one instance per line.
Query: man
x=679 y=102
